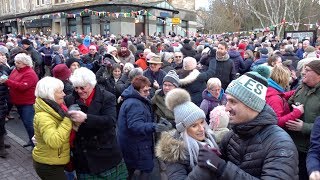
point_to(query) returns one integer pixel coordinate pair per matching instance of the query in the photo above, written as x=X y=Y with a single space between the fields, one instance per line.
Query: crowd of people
x=204 y=107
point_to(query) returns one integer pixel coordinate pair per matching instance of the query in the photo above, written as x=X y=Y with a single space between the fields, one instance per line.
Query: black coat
x=291 y=56
x=225 y=71
x=259 y=149
x=187 y=50
x=96 y=147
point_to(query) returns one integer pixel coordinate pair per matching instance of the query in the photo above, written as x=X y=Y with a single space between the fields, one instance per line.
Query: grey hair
x=200 y=48
x=82 y=77
x=23 y=58
x=193 y=145
x=73 y=52
x=213 y=82
x=47 y=86
x=135 y=72
x=56 y=48
x=288 y=48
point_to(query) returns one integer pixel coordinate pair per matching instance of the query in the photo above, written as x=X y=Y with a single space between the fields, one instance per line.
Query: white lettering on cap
x=254 y=86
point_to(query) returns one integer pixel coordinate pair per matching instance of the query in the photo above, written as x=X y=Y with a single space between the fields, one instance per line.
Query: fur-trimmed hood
x=171 y=147
x=193 y=75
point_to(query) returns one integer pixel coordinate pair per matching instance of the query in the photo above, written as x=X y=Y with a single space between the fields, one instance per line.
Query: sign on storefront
x=175 y=21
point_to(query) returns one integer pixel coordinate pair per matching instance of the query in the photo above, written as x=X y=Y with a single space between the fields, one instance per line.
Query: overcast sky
x=202 y=3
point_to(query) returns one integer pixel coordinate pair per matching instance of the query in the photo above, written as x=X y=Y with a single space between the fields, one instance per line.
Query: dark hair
x=140 y=82
x=115 y=66
x=224 y=44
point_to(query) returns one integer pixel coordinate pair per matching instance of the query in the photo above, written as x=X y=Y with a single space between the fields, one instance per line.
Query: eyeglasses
x=76 y=55
x=178 y=56
x=91 y=49
x=168 y=85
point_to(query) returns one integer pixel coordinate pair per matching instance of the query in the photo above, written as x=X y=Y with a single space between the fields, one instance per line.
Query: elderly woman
x=179 y=148
x=22 y=83
x=52 y=130
x=136 y=127
x=213 y=96
x=96 y=151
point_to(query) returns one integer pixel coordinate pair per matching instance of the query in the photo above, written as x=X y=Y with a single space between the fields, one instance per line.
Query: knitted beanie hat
x=172 y=77
x=185 y=112
x=72 y=60
x=61 y=71
x=219 y=118
x=124 y=43
x=250 y=89
x=315 y=66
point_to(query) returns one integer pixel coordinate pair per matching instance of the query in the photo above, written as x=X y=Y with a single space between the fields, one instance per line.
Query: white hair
x=213 y=82
x=47 y=86
x=23 y=58
x=83 y=76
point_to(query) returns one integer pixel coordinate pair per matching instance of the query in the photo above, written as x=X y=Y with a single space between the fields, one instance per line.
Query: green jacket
x=160 y=107
x=310 y=98
x=52 y=134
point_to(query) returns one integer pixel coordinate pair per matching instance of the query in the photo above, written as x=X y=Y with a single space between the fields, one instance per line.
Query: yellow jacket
x=52 y=134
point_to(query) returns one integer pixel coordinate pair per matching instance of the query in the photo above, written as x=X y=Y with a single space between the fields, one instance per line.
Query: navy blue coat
x=313 y=158
x=237 y=60
x=135 y=130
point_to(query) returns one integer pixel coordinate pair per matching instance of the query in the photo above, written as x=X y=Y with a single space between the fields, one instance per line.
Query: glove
x=209 y=158
x=161 y=127
x=165 y=122
x=74 y=107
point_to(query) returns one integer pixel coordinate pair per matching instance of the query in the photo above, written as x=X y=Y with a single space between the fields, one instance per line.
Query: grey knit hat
x=185 y=112
x=250 y=89
x=172 y=77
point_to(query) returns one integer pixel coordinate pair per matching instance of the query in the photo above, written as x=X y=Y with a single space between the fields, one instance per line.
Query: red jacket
x=22 y=84
x=83 y=49
x=142 y=63
x=279 y=103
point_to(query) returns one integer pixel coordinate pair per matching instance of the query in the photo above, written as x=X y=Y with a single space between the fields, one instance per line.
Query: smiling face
x=197 y=130
x=116 y=73
x=239 y=112
x=215 y=91
x=155 y=67
x=59 y=96
x=84 y=91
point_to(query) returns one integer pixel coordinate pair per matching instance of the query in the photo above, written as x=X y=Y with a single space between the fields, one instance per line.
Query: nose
x=228 y=107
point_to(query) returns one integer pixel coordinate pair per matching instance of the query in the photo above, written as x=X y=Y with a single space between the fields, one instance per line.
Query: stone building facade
x=97 y=17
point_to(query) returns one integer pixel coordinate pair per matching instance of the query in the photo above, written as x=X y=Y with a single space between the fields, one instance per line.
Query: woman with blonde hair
x=277 y=97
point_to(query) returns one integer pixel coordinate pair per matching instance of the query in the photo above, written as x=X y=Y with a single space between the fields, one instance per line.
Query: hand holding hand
x=294 y=125
x=77 y=116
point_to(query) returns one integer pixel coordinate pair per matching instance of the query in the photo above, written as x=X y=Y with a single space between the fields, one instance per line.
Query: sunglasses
x=178 y=56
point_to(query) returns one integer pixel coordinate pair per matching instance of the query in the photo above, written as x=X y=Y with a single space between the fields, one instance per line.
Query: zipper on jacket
x=59 y=152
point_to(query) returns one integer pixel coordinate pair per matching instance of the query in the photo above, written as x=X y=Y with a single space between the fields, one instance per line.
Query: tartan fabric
x=117 y=173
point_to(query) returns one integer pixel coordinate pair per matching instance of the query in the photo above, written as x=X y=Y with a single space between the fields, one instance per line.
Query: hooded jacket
x=225 y=71
x=235 y=56
x=172 y=150
x=259 y=149
x=277 y=98
x=209 y=102
x=52 y=131
x=135 y=130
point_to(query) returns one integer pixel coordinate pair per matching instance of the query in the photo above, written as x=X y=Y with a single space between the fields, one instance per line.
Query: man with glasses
x=308 y=94
x=177 y=61
x=93 y=59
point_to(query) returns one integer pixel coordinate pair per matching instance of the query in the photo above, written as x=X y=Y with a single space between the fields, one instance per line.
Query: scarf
x=275 y=85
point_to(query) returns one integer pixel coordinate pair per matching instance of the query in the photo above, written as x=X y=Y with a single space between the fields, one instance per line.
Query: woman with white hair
x=52 y=130
x=179 y=148
x=22 y=84
x=96 y=151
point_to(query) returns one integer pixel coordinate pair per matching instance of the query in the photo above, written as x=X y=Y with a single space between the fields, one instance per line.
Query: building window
x=56 y=1
x=184 y=26
x=104 y=25
x=72 y=25
x=86 y=25
x=160 y=26
x=38 y=2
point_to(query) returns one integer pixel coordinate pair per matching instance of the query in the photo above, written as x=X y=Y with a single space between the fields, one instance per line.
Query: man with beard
x=225 y=69
x=125 y=55
x=256 y=147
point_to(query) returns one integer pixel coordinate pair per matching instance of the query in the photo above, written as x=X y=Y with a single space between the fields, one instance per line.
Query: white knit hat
x=185 y=112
